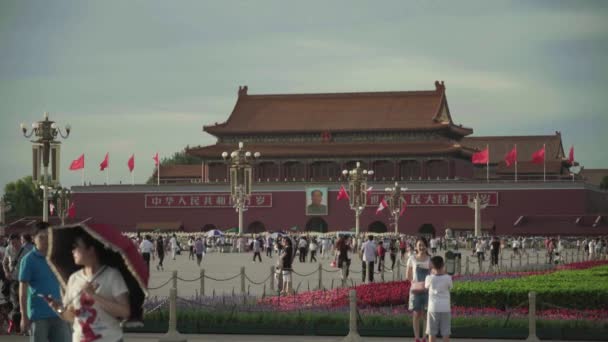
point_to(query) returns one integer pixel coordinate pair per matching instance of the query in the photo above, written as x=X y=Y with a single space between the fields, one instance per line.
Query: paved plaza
x=228 y=266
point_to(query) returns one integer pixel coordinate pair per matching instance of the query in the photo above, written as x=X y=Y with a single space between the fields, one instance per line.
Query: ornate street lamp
x=45 y=149
x=4 y=208
x=357 y=190
x=395 y=202
x=240 y=162
x=63 y=203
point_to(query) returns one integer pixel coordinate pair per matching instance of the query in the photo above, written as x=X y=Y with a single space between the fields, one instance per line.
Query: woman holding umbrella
x=106 y=283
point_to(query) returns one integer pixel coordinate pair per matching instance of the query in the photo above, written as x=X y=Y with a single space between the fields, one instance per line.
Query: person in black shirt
x=160 y=250
x=494 y=250
x=286 y=262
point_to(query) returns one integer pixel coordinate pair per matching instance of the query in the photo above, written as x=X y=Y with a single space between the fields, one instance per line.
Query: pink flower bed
x=395 y=293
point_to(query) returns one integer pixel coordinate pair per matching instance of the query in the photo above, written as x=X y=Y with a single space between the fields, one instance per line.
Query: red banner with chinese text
x=439 y=199
x=203 y=200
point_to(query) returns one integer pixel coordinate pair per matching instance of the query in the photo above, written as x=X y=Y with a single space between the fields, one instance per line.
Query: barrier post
x=532 y=317
x=272 y=271
x=320 y=287
x=173 y=335
x=344 y=274
x=466 y=266
x=353 y=334
x=202 y=289
x=242 y=280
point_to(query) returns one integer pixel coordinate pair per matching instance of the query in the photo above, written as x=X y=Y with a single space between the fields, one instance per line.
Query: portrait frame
x=311 y=209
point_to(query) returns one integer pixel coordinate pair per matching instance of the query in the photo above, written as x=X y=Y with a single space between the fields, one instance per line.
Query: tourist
x=160 y=251
x=302 y=245
x=17 y=249
x=256 y=249
x=368 y=258
x=286 y=260
x=438 y=284
x=417 y=268
x=494 y=251
x=269 y=246
x=96 y=297
x=381 y=253
x=199 y=249
x=402 y=248
x=174 y=246
x=515 y=245
x=146 y=248
x=393 y=253
x=433 y=243
x=313 y=250
x=479 y=251
x=36 y=280
x=343 y=249
x=191 y=248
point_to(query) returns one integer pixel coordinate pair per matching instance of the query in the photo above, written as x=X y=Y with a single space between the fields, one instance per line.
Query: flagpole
x=83 y=176
x=488 y=164
x=515 y=163
x=107 y=176
x=158 y=174
x=544 y=163
x=133 y=177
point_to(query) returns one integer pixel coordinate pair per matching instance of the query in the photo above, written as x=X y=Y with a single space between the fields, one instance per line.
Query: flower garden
x=572 y=303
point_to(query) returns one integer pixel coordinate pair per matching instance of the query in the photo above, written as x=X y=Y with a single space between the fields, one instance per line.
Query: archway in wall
x=208 y=227
x=256 y=227
x=427 y=229
x=377 y=227
x=316 y=224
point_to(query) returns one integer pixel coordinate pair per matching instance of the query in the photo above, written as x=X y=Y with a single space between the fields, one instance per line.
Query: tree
x=604 y=183
x=24 y=197
x=178 y=158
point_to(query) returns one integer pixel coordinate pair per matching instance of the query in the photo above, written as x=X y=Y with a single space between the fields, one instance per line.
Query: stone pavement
x=228 y=265
x=252 y=338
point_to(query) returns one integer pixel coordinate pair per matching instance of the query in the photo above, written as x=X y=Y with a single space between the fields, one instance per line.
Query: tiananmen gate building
x=306 y=140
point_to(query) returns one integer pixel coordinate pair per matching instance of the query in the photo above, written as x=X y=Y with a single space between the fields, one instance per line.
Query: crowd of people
x=34 y=302
x=91 y=306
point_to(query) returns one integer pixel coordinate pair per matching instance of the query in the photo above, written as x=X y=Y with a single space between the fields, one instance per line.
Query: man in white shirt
x=439 y=285
x=146 y=247
x=174 y=246
x=433 y=246
x=368 y=251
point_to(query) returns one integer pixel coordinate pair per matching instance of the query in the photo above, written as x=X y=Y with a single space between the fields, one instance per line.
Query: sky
x=137 y=77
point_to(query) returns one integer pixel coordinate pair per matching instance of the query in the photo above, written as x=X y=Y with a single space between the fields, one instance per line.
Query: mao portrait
x=316 y=201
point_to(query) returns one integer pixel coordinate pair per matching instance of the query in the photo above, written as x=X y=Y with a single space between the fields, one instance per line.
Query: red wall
x=124 y=210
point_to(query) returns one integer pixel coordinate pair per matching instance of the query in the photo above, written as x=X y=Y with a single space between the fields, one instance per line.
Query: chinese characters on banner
x=203 y=200
x=439 y=199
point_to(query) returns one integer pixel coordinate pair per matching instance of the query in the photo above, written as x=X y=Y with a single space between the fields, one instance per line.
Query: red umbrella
x=121 y=253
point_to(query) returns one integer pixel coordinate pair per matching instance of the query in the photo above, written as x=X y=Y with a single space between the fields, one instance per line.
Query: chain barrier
x=189 y=280
x=161 y=286
x=330 y=271
x=260 y=283
x=305 y=275
x=227 y=279
x=158 y=307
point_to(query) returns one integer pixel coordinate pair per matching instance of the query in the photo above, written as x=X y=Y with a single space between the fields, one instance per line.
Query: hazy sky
x=145 y=76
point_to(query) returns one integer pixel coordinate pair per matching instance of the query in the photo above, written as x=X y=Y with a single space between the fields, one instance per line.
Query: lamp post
x=63 y=203
x=240 y=162
x=44 y=145
x=4 y=208
x=477 y=205
x=395 y=203
x=357 y=190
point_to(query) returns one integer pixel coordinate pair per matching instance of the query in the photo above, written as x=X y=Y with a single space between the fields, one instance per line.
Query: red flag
x=105 y=163
x=131 y=163
x=77 y=164
x=342 y=194
x=381 y=206
x=539 y=156
x=155 y=158
x=571 y=156
x=511 y=157
x=403 y=208
x=482 y=157
x=72 y=210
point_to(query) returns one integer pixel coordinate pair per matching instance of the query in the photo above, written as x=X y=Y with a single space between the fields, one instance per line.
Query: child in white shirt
x=439 y=312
